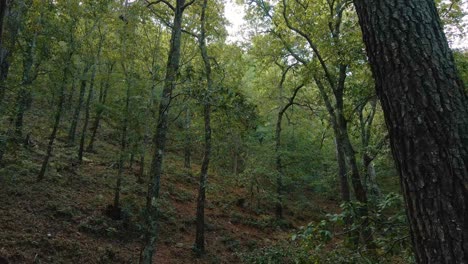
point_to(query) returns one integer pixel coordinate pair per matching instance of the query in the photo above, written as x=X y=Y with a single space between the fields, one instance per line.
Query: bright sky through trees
x=235 y=14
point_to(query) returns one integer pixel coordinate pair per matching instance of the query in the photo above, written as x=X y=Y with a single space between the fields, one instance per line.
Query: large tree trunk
x=426 y=111
x=159 y=139
x=200 y=222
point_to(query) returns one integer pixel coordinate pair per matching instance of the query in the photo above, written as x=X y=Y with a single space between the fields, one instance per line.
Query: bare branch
x=160 y=1
x=188 y=4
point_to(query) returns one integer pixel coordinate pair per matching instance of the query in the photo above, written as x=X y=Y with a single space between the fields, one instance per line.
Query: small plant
x=387 y=223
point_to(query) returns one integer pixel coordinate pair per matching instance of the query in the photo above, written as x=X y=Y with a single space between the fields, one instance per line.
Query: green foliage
x=389 y=229
x=277 y=254
x=461 y=59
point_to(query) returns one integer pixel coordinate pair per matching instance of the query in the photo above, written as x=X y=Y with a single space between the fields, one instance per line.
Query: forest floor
x=63 y=218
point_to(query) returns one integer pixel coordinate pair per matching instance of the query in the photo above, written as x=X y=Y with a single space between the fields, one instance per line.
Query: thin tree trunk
x=24 y=95
x=141 y=172
x=200 y=221
x=3 y=12
x=58 y=116
x=69 y=103
x=160 y=136
x=89 y=99
x=426 y=111
x=279 y=165
x=100 y=110
x=86 y=120
x=4 y=65
x=79 y=105
x=188 y=141
x=123 y=149
x=279 y=168
x=88 y=106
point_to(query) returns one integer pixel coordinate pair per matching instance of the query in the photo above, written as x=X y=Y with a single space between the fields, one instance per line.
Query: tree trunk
x=200 y=221
x=3 y=12
x=89 y=99
x=79 y=105
x=342 y=170
x=100 y=109
x=426 y=111
x=123 y=149
x=58 y=116
x=188 y=141
x=279 y=168
x=24 y=94
x=370 y=184
x=141 y=172
x=235 y=153
x=71 y=93
x=159 y=139
x=4 y=65
x=86 y=120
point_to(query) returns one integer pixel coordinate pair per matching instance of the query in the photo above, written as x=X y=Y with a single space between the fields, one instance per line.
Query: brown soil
x=63 y=220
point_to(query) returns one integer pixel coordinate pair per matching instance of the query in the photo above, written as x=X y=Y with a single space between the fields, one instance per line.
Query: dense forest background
x=134 y=131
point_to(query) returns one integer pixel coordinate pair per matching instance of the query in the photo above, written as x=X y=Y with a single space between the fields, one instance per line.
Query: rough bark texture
x=200 y=221
x=159 y=139
x=426 y=111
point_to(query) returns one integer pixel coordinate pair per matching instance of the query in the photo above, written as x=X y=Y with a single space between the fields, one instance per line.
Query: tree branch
x=188 y=4
x=160 y=1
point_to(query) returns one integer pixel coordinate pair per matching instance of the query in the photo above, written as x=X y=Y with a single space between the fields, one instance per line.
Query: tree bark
x=426 y=111
x=159 y=139
x=342 y=171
